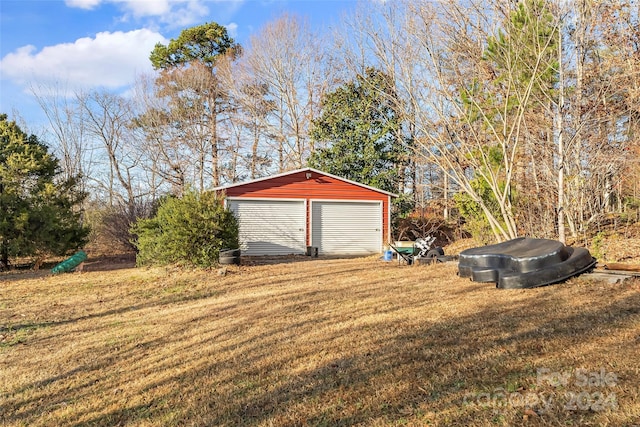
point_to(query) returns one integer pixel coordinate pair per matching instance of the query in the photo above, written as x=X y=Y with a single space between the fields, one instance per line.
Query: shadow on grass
x=292 y=259
x=440 y=365
x=370 y=364
x=97 y=264
x=432 y=367
x=158 y=300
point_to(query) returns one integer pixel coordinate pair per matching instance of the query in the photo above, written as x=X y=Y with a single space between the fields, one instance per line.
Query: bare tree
x=196 y=54
x=521 y=103
x=67 y=123
x=249 y=116
x=169 y=120
x=376 y=35
x=469 y=113
x=289 y=60
x=602 y=47
x=108 y=117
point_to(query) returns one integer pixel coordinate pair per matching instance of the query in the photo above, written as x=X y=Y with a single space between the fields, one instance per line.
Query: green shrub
x=476 y=221
x=597 y=246
x=189 y=230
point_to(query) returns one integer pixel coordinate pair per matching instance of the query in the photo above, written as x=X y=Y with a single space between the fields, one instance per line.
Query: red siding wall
x=318 y=187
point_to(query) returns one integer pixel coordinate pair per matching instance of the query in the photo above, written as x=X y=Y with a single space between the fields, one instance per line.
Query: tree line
x=521 y=116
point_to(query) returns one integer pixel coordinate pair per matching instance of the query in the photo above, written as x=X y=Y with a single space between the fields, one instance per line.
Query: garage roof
x=305 y=170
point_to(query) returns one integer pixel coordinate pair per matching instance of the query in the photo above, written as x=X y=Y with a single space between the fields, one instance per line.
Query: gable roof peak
x=305 y=169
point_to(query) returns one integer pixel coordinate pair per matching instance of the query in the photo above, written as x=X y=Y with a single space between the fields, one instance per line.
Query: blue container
x=388 y=255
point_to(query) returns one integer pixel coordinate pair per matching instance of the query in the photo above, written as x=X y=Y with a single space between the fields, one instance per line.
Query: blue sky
x=104 y=43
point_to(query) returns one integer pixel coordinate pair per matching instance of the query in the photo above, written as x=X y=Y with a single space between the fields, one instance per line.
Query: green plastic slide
x=70 y=263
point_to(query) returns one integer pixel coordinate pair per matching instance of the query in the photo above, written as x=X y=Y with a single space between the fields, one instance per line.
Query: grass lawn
x=322 y=342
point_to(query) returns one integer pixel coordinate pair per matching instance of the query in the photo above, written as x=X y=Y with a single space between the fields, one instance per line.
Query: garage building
x=286 y=213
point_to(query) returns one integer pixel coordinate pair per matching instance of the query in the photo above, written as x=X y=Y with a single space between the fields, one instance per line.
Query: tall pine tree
x=361 y=129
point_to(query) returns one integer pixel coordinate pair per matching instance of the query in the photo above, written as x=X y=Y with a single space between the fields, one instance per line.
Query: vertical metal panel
x=346 y=227
x=319 y=186
x=271 y=227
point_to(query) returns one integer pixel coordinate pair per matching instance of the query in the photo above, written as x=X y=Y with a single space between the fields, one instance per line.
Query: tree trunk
x=4 y=255
x=578 y=187
x=213 y=125
x=281 y=139
x=4 y=250
x=445 y=193
x=560 y=130
x=254 y=153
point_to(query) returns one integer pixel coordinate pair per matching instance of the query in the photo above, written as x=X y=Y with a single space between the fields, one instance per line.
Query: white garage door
x=270 y=227
x=346 y=227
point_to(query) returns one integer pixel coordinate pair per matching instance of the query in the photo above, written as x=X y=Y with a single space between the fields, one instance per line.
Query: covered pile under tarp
x=524 y=263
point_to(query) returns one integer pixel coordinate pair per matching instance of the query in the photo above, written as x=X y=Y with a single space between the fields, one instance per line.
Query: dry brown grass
x=316 y=342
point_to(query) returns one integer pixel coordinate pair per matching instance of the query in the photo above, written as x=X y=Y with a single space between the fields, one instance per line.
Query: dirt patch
x=110 y=262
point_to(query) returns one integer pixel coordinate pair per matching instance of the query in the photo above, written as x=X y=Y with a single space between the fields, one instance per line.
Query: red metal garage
x=285 y=213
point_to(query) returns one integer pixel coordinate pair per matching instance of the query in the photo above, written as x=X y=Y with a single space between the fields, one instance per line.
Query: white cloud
x=139 y=8
x=232 y=29
x=146 y=8
x=83 y=4
x=169 y=11
x=184 y=14
x=173 y=13
x=109 y=60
